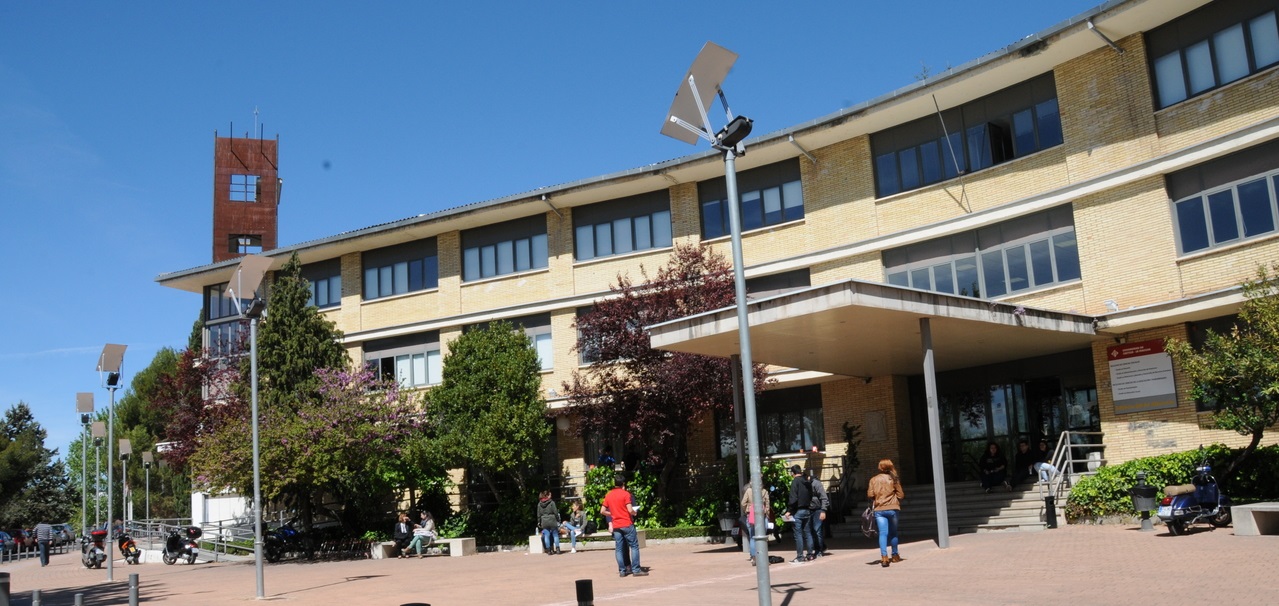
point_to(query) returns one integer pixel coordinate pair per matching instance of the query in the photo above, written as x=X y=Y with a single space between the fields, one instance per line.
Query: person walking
x=886 y=494
x=548 y=519
x=820 y=505
x=44 y=539
x=619 y=504
x=747 y=520
x=798 y=509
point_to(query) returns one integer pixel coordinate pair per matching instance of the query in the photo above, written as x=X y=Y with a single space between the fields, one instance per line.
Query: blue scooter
x=1196 y=502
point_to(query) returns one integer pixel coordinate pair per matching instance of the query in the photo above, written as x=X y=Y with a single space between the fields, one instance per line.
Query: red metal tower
x=246 y=196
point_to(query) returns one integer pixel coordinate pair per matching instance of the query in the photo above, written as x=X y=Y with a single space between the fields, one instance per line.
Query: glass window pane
x=370 y=283
x=401 y=271
x=1018 y=273
x=1254 y=208
x=1191 y=225
x=385 y=281
x=1221 y=210
x=979 y=155
x=1049 y=121
x=1066 y=254
x=643 y=232
x=943 y=278
x=523 y=254
x=952 y=151
x=622 y=240
x=430 y=272
x=585 y=242
x=315 y=295
x=415 y=275
x=886 y=174
x=1023 y=133
x=488 y=261
x=919 y=279
x=1230 y=53
x=545 y=353
x=335 y=290
x=712 y=220
x=471 y=264
x=541 y=255
x=1169 y=79
x=792 y=439
x=603 y=239
x=770 y=433
x=662 y=229
x=505 y=257
x=909 y=159
x=434 y=367
x=419 y=369
x=793 y=200
x=966 y=277
x=773 y=206
x=403 y=371
x=930 y=162
x=992 y=272
x=752 y=211
x=1265 y=40
x=1199 y=64
x=1041 y=262
x=900 y=278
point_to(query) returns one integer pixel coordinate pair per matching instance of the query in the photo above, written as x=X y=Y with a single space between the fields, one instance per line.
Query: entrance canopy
x=868 y=329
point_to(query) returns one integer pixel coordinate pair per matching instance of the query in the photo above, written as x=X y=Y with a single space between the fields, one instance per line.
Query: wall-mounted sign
x=1141 y=377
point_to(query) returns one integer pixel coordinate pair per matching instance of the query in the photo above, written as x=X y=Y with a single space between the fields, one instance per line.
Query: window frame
x=244 y=187
x=389 y=271
x=1204 y=28
x=1271 y=179
x=643 y=215
x=386 y=355
x=480 y=248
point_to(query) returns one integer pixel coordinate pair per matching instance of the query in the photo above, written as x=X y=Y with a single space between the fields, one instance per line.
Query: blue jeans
x=803 y=532
x=44 y=552
x=1046 y=471
x=886 y=521
x=622 y=537
x=573 y=531
x=419 y=543
x=550 y=538
x=819 y=539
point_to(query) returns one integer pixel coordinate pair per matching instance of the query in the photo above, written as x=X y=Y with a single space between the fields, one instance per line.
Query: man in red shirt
x=619 y=504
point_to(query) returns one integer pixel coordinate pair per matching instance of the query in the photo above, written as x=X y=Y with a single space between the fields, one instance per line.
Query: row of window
x=409 y=370
x=1228 y=54
x=506 y=257
x=759 y=208
x=1230 y=214
x=400 y=277
x=623 y=235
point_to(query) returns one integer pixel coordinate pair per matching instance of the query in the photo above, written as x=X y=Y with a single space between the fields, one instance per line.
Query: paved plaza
x=1069 y=565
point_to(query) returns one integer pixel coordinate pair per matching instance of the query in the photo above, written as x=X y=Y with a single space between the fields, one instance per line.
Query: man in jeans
x=44 y=538
x=797 y=509
x=619 y=504
x=820 y=505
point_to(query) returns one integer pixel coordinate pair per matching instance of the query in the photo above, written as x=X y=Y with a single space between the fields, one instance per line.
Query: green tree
x=1238 y=371
x=294 y=341
x=488 y=412
x=33 y=486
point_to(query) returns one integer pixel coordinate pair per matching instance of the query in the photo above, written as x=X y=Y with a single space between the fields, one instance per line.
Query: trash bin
x=727 y=519
x=1143 y=498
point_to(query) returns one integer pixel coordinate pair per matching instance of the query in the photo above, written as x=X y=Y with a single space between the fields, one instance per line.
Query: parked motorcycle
x=281 y=540
x=1196 y=502
x=181 y=544
x=92 y=555
x=129 y=549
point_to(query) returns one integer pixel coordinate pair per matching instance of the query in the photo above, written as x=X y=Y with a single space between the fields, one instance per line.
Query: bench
x=1255 y=519
x=458 y=547
x=598 y=541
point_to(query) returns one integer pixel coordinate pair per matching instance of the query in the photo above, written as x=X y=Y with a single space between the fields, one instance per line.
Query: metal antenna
x=255 y=122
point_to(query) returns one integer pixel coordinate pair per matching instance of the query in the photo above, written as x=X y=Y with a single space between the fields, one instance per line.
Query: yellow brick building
x=1116 y=173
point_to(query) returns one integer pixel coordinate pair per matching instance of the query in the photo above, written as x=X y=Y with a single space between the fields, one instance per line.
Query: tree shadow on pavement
x=105 y=594
x=790 y=589
x=338 y=582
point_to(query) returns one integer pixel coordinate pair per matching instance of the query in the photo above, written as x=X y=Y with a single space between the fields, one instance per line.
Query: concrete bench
x=382 y=551
x=458 y=547
x=1255 y=519
x=598 y=541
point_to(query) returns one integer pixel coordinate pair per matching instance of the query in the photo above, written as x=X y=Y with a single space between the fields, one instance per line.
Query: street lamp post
x=687 y=121
x=248 y=276
x=126 y=449
x=147 y=459
x=99 y=434
x=84 y=406
x=109 y=371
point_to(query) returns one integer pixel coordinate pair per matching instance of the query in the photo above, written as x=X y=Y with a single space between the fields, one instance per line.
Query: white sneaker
x=572 y=551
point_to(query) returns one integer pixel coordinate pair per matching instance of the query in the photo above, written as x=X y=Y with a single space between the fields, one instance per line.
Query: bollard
x=35 y=597
x=133 y=589
x=1050 y=511
x=585 y=593
x=79 y=599
x=4 y=589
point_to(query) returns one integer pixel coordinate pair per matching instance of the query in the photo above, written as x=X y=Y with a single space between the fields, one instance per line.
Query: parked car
x=62 y=534
x=24 y=538
x=7 y=544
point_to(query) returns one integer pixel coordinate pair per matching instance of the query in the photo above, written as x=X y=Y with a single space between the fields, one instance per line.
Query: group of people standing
x=994 y=466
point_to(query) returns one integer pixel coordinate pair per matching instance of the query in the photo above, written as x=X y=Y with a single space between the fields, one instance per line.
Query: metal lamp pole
x=109 y=364
x=147 y=460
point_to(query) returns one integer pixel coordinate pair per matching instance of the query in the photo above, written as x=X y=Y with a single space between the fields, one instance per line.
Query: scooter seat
x=1172 y=491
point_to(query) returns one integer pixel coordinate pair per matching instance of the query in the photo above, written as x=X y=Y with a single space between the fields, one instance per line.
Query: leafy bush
x=1106 y=494
x=680 y=532
x=457 y=525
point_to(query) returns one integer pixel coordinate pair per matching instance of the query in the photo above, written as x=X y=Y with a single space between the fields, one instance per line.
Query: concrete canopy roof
x=866 y=329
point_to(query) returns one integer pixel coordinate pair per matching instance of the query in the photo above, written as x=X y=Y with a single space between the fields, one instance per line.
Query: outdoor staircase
x=969 y=509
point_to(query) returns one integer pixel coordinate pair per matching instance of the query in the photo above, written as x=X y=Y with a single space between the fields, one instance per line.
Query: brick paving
x=1069 y=565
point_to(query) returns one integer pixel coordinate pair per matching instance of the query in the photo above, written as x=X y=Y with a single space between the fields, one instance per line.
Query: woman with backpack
x=548 y=517
x=885 y=494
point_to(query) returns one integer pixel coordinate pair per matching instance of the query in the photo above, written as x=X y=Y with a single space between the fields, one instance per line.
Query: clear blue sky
x=384 y=110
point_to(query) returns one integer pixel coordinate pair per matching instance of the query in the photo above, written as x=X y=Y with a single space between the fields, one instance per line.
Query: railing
x=1069 y=456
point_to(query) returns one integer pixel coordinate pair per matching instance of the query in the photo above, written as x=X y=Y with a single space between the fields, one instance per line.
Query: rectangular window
x=1019 y=120
x=244 y=244
x=1211 y=47
x=504 y=248
x=399 y=269
x=788 y=420
x=1011 y=256
x=1237 y=211
x=244 y=188
x=410 y=360
x=769 y=195
x=325 y=279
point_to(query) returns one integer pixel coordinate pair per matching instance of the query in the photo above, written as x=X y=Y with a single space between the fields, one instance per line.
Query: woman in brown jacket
x=885 y=494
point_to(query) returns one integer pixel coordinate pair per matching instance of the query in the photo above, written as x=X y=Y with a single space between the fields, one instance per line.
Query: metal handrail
x=1064 y=458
